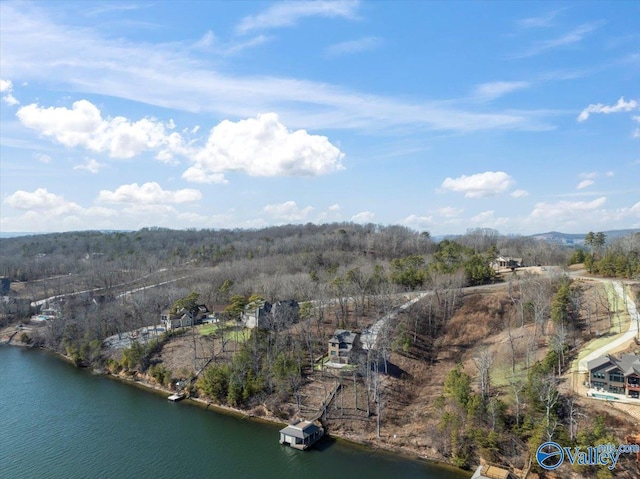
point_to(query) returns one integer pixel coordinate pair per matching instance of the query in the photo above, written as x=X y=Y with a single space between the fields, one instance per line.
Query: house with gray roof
x=340 y=346
x=301 y=434
x=619 y=375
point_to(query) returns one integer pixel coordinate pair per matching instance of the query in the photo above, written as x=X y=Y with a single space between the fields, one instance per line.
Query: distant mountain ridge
x=578 y=238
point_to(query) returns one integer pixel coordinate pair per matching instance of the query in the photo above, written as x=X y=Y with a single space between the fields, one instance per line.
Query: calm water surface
x=57 y=421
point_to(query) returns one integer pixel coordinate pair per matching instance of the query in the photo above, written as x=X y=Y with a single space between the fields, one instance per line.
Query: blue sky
x=441 y=116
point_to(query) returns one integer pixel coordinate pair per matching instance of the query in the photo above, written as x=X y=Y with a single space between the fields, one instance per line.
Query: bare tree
x=483 y=363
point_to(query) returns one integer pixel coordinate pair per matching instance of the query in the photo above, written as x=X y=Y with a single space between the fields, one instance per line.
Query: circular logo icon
x=550 y=455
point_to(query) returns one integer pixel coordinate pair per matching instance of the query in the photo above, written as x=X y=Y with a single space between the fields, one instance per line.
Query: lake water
x=57 y=421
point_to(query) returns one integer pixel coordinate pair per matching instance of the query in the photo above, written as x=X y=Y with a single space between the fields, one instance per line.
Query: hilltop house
x=506 y=262
x=617 y=375
x=184 y=317
x=340 y=346
x=262 y=314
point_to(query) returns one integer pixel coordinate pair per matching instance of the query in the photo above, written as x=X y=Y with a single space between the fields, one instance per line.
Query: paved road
x=625 y=338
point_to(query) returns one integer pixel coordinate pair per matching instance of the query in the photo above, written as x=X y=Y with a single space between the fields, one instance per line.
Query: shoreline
x=350 y=440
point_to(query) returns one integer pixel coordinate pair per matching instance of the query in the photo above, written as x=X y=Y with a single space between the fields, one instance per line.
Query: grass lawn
x=213 y=328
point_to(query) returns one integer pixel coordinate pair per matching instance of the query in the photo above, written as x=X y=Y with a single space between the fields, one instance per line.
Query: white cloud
x=574 y=36
x=486 y=219
x=10 y=100
x=335 y=207
x=352 y=46
x=363 y=217
x=287 y=211
x=83 y=126
x=621 y=105
x=149 y=194
x=286 y=14
x=6 y=87
x=481 y=185
x=584 y=184
x=92 y=166
x=263 y=146
x=418 y=222
x=41 y=200
x=609 y=173
x=194 y=218
x=589 y=175
x=539 y=22
x=519 y=193
x=567 y=209
x=450 y=212
x=493 y=90
x=42 y=157
x=124 y=69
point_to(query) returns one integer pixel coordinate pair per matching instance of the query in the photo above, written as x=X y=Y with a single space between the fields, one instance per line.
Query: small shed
x=301 y=434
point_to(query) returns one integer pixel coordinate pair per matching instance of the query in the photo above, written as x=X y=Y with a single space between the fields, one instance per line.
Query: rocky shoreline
x=12 y=338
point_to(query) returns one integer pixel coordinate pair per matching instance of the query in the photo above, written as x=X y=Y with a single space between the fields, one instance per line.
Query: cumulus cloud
x=493 y=90
x=262 y=146
x=82 y=125
x=150 y=194
x=519 y=193
x=486 y=219
x=92 y=166
x=566 y=209
x=585 y=183
x=287 y=211
x=480 y=185
x=418 y=222
x=41 y=200
x=363 y=217
x=6 y=87
x=286 y=14
x=620 y=106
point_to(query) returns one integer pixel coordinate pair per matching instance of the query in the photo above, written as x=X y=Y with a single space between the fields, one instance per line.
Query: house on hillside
x=506 y=262
x=256 y=314
x=184 y=317
x=616 y=375
x=263 y=314
x=340 y=346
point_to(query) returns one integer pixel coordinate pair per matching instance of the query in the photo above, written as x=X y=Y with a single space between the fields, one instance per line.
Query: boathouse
x=301 y=434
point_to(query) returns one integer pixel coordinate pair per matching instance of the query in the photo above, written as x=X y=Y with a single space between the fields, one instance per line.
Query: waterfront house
x=301 y=434
x=340 y=346
x=184 y=317
x=619 y=375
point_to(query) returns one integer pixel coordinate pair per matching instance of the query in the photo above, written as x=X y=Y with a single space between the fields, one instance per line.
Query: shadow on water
x=325 y=443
